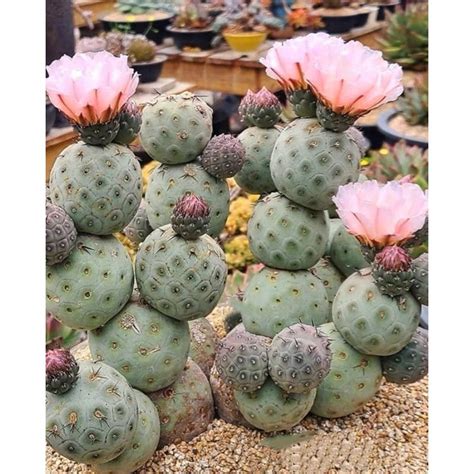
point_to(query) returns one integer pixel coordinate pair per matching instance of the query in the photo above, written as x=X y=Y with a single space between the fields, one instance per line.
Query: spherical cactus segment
x=299 y=358
x=242 y=360
x=203 y=344
x=224 y=400
x=99 y=187
x=303 y=101
x=60 y=234
x=143 y=444
x=411 y=363
x=310 y=163
x=272 y=409
x=246 y=101
x=139 y=227
x=148 y=348
x=419 y=288
x=96 y=420
x=362 y=143
x=345 y=250
x=330 y=277
x=333 y=121
x=255 y=177
x=285 y=235
x=392 y=271
x=353 y=379
x=183 y=279
x=169 y=183
x=99 y=134
x=264 y=110
x=371 y=322
x=190 y=218
x=186 y=407
x=275 y=299
x=223 y=156
x=176 y=128
x=130 y=120
x=61 y=371
x=92 y=285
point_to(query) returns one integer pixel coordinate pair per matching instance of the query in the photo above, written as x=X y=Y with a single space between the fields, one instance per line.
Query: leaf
x=286 y=440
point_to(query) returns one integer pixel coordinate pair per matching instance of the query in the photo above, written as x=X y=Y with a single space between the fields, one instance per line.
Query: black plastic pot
x=50 y=116
x=183 y=38
x=391 y=135
x=338 y=24
x=150 y=71
x=382 y=7
x=155 y=30
x=360 y=19
x=372 y=133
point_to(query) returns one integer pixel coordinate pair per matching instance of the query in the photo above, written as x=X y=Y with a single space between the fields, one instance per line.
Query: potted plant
x=385 y=6
x=337 y=16
x=245 y=24
x=406 y=38
x=408 y=121
x=147 y=17
x=301 y=16
x=191 y=27
x=141 y=52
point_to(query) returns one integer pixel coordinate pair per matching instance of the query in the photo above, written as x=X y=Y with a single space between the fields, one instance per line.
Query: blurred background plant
x=406 y=37
x=397 y=161
x=59 y=335
x=414 y=104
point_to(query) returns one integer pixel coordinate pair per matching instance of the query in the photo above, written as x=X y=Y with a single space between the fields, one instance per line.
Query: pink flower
x=352 y=79
x=287 y=62
x=382 y=214
x=90 y=88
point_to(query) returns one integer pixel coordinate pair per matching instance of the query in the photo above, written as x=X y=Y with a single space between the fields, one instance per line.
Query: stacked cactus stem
x=331 y=312
x=141 y=389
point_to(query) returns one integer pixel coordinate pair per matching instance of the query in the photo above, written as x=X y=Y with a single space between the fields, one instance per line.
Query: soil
x=399 y=124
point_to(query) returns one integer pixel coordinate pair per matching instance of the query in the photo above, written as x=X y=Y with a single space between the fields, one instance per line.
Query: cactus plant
x=330 y=277
x=275 y=299
x=420 y=285
x=272 y=409
x=242 y=360
x=144 y=442
x=309 y=163
x=345 y=251
x=370 y=321
x=140 y=49
x=255 y=176
x=299 y=358
x=353 y=379
x=176 y=128
x=261 y=109
x=61 y=234
x=99 y=187
x=169 y=183
x=406 y=37
x=130 y=119
x=95 y=420
x=148 y=348
x=411 y=363
x=139 y=227
x=181 y=278
x=186 y=407
x=287 y=236
x=203 y=344
x=226 y=406
x=223 y=156
x=92 y=285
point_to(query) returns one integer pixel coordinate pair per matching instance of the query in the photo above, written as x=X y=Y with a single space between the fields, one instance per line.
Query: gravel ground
x=389 y=434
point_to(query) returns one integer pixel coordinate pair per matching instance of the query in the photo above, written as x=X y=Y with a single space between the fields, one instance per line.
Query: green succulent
x=399 y=161
x=141 y=50
x=136 y=7
x=406 y=37
x=414 y=104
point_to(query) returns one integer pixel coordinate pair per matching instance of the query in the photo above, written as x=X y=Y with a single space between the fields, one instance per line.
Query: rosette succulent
x=91 y=89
